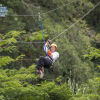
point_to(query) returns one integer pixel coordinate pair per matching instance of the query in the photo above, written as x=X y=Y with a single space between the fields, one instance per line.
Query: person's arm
x=45 y=47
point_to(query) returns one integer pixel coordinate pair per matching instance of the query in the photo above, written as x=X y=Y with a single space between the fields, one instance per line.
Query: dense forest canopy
x=75 y=75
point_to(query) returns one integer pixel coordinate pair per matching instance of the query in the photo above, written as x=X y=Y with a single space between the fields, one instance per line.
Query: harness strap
x=48 y=57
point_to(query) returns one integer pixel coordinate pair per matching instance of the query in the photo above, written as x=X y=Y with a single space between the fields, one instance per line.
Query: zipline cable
x=76 y=21
x=47 y=11
x=57 y=8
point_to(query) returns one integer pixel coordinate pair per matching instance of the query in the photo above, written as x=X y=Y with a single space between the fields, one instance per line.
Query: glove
x=50 y=41
x=49 y=52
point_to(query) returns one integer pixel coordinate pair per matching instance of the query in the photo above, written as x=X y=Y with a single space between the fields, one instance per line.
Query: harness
x=48 y=57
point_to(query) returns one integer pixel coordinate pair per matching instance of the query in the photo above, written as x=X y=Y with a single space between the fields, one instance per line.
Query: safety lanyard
x=42 y=33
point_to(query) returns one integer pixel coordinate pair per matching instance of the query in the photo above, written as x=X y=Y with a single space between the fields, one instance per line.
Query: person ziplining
x=49 y=59
x=51 y=54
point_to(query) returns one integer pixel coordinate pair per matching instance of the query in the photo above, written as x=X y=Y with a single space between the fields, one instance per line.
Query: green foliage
x=4 y=60
x=94 y=85
x=12 y=46
x=17 y=84
x=76 y=71
x=87 y=97
x=94 y=53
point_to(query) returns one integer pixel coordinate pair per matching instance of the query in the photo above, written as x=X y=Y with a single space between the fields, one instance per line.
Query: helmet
x=53 y=44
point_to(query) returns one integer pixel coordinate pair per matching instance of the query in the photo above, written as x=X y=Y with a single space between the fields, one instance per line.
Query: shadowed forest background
x=75 y=75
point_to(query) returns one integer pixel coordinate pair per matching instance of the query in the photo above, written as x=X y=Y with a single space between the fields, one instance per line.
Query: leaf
x=4 y=60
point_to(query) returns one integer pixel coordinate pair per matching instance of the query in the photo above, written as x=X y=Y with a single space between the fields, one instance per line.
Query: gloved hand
x=49 y=52
x=48 y=43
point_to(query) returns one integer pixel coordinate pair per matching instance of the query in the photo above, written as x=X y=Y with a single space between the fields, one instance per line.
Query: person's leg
x=43 y=63
x=42 y=72
x=40 y=66
x=47 y=63
x=40 y=62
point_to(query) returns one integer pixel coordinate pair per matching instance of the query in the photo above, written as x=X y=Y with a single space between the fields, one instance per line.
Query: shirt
x=54 y=54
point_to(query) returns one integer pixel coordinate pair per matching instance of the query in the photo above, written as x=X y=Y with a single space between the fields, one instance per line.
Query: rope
x=47 y=11
x=42 y=33
x=76 y=21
